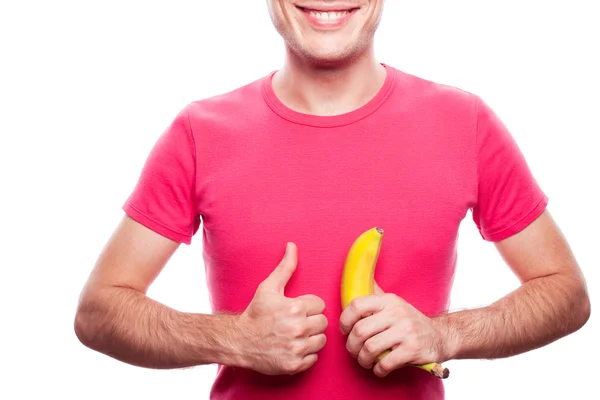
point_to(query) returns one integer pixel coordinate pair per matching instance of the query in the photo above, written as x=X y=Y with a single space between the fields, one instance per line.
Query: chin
x=333 y=54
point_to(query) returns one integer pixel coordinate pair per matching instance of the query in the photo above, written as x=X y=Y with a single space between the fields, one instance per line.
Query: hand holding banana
x=384 y=331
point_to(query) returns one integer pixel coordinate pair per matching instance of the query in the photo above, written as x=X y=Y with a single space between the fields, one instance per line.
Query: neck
x=331 y=90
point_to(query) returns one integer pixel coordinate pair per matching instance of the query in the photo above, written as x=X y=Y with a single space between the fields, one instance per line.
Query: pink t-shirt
x=256 y=174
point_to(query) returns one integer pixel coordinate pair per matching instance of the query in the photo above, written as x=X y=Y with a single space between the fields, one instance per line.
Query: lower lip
x=327 y=24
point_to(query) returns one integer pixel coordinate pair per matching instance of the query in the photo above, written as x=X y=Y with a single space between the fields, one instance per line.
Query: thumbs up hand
x=282 y=335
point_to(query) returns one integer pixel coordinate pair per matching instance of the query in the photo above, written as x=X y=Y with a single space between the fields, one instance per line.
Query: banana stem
x=433 y=368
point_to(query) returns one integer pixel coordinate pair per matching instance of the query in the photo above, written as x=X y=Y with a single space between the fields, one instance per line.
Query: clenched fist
x=385 y=321
x=282 y=335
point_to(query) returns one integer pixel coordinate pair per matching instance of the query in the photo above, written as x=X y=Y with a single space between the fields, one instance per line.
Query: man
x=307 y=158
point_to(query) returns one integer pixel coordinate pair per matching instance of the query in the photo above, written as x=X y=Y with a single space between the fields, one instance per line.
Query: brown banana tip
x=379 y=230
x=440 y=372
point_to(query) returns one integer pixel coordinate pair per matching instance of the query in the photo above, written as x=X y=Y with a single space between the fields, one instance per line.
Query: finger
x=376 y=345
x=316 y=324
x=378 y=291
x=397 y=358
x=282 y=273
x=316 y=343
x=363 y=330
x=314 y=304
x=307 y=362
x=358 y=308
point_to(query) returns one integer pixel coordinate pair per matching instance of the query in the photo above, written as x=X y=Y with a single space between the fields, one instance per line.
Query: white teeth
x=328 y=16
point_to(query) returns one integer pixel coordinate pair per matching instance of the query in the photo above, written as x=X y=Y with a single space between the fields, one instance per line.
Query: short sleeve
x=508 y=195
x=163 y=198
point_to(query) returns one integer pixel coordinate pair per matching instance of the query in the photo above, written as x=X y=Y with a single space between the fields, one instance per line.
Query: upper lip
x=327 y=7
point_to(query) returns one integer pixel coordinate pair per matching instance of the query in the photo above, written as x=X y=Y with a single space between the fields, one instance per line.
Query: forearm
x=127 y=325
x=539 y=312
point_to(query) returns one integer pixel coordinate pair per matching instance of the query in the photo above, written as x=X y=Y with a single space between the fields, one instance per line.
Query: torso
x=266 y=175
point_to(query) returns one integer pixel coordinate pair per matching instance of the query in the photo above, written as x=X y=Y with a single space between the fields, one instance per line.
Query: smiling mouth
x=330 y=18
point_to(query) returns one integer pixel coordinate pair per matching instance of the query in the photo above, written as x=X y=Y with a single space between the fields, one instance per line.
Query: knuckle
x=293 y=367
x=297 y=330
x=350 y=350
x=409 y=326
x=385 y=367
x=297 y=307
x=397 y=314
x=413 y=348
x=370 y=346
x=355 y=306
x=310 y=361
x=360 y=330
x=299 y=348
x=280 y=266
x=362 y=361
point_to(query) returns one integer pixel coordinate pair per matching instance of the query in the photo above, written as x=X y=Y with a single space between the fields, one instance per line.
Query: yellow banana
x=358 y=279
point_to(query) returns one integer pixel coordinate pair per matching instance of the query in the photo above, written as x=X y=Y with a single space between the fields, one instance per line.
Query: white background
x=86 y=88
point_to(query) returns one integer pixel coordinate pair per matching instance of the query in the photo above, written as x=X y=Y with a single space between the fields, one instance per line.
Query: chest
x=321 y=192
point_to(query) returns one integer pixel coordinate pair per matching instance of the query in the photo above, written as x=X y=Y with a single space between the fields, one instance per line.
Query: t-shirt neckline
x=334 y=120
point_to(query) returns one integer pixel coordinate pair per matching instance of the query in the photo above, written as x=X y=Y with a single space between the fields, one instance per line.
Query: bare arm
x=115 y=317
x=552 y=301
x=274 y=335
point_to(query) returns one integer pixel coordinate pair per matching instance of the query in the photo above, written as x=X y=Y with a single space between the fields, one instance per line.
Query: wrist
x=231 y=351
x=238 y=342
x=449 y=340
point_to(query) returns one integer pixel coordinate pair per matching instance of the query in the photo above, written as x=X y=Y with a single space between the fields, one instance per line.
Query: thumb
x=284 y=270
x=378 y=291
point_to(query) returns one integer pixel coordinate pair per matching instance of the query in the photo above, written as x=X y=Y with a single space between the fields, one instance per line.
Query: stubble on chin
x=324 y=57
